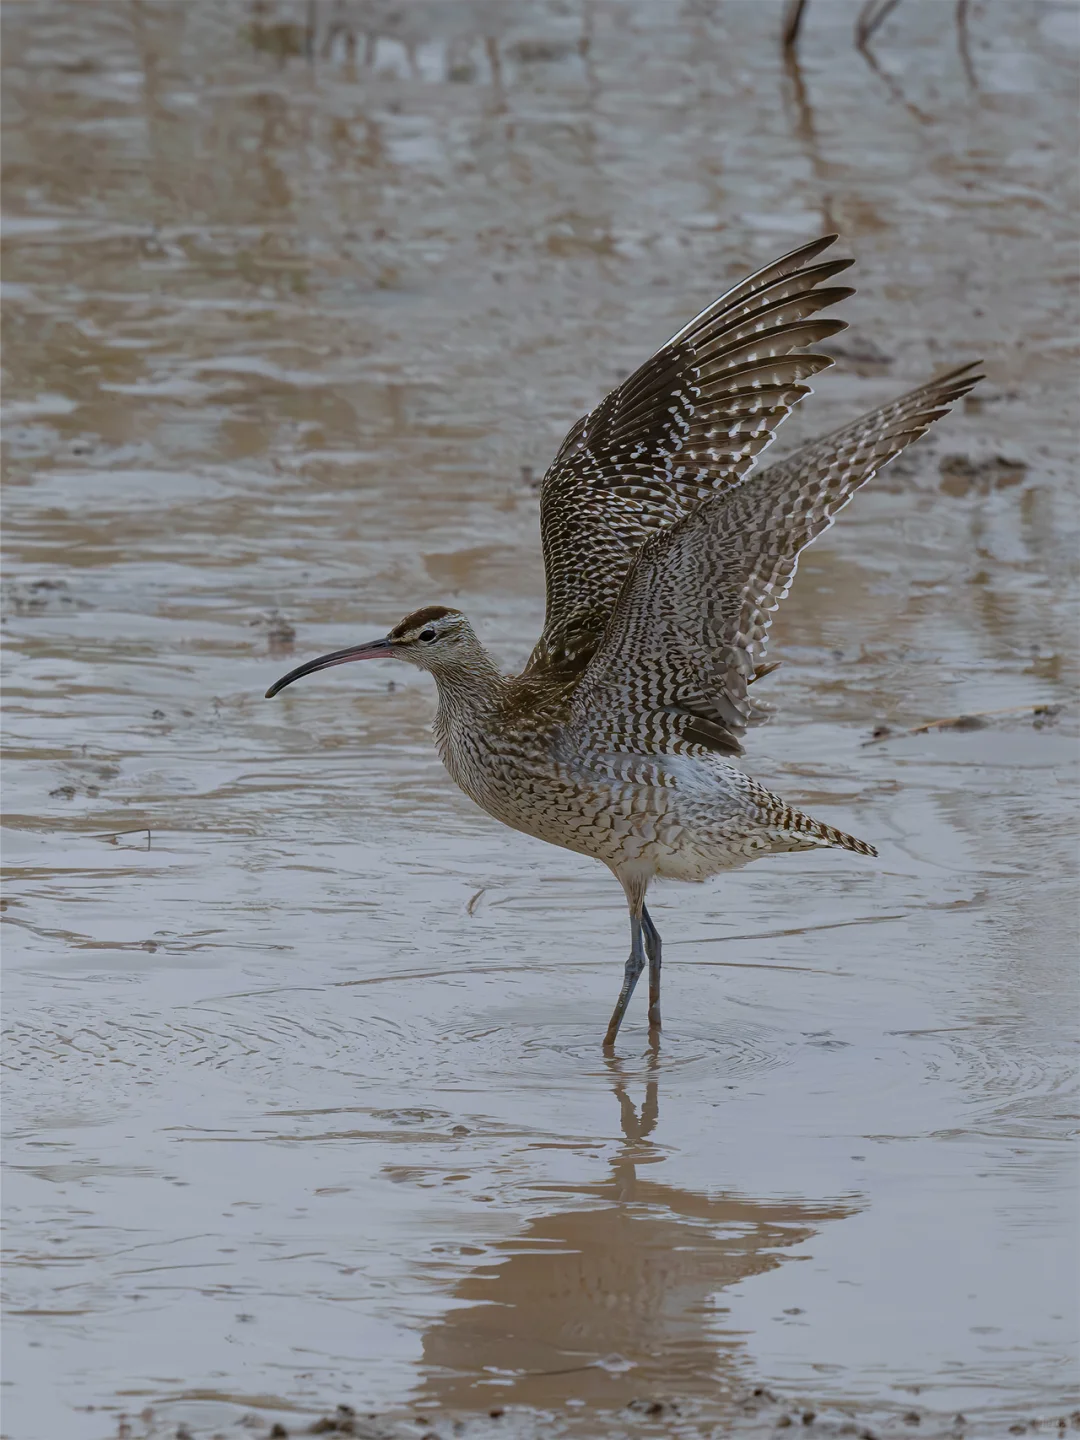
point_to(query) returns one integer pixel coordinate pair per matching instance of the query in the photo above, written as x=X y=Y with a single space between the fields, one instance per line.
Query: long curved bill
x=371 y=651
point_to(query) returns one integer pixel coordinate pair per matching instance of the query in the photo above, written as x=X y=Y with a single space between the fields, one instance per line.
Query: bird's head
x=434 y=638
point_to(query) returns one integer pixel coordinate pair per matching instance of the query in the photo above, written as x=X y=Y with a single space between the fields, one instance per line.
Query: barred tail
x=844 y=841
x=791 y=829
x=804 y=825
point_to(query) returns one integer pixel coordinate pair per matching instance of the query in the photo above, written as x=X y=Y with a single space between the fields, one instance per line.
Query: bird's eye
x=427 y=635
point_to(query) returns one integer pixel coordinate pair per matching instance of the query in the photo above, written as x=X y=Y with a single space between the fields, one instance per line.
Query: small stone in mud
x=652 y=1408
x=497 y=1413
x=35 y=597
x=880 y=731
x=278 y=1432
x=63 y=792
x=965 y=722
x=280 y=632
x=342 y=1422
x=808 y=1417
x=784 y=1422
x=912 y=1418
x=1045 y=715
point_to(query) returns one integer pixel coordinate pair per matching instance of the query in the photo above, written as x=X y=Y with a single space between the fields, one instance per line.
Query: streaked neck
x=471 y=688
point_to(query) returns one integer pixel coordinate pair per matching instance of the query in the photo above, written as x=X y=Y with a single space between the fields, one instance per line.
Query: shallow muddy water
x=305 y=1103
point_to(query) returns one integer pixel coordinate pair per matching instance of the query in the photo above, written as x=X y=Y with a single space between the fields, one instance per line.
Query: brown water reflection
x=301 y=1049
x=616 y=1302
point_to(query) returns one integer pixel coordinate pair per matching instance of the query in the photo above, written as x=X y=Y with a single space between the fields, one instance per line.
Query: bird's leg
x=652 y=947
x=634 y=966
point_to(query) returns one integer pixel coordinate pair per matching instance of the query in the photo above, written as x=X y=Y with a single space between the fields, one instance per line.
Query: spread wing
x=690 y=624
x=686 y=425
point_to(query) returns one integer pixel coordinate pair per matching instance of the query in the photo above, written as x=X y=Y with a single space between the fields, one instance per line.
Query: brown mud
x=305 y=1105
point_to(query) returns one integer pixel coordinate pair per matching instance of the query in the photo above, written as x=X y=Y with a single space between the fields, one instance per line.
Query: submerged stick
x=970 y=720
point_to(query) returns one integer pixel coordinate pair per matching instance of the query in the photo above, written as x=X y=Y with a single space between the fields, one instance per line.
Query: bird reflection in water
x=616 y=1299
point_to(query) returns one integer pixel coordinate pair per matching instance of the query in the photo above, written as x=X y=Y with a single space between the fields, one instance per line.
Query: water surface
x=305 y=1100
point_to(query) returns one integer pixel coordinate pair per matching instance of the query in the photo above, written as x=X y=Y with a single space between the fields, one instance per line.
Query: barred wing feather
x=685 y=426
x=690 y=625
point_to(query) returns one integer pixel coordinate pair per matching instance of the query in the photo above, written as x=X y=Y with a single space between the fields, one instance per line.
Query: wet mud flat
x=304 y=1101
x=753 y=1412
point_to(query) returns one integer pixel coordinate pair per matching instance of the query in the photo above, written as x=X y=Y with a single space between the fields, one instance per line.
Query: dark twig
x=871 y=16
x=793 y=18
x=963 y=43
x=868 y=21
x=807 y=133
x=114 y=836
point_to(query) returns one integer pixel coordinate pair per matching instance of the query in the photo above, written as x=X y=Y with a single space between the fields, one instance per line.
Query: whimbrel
x=665 y=555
